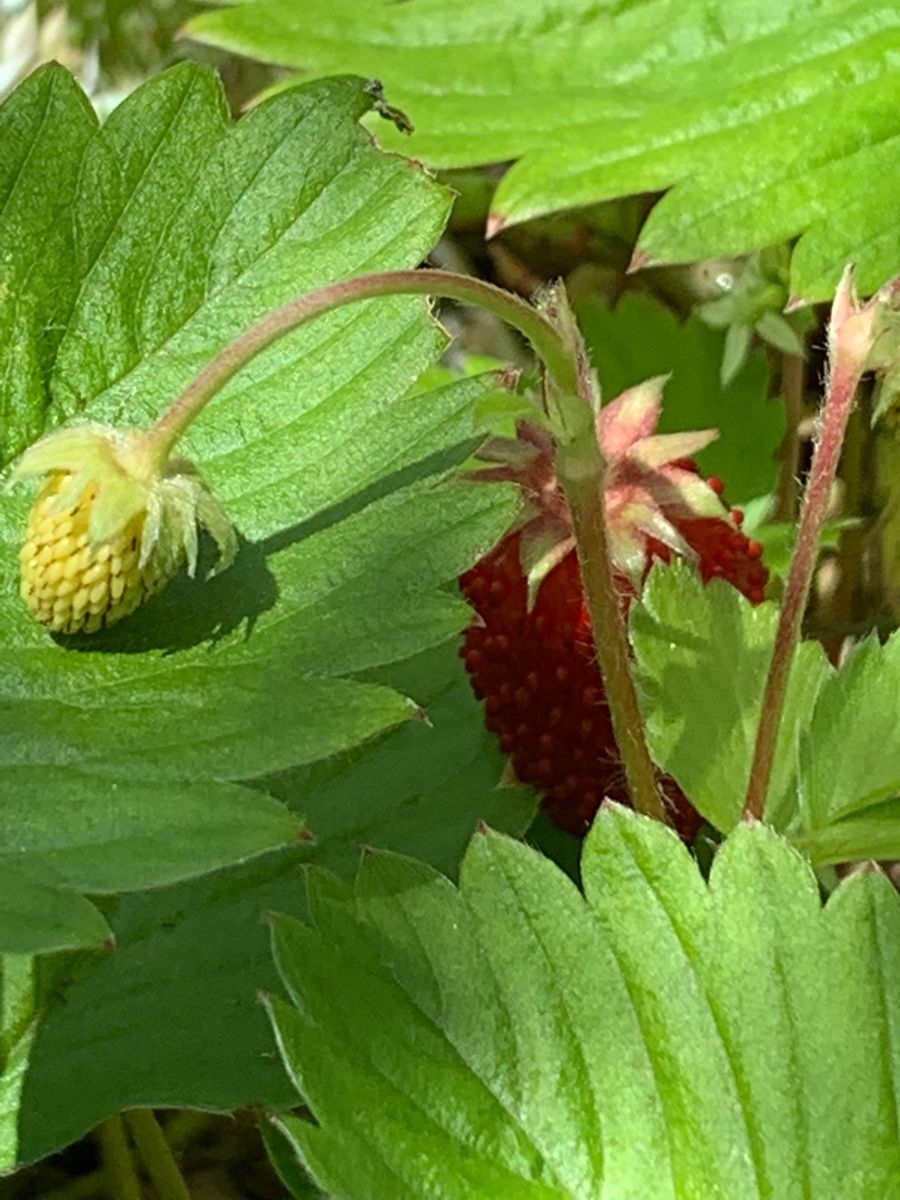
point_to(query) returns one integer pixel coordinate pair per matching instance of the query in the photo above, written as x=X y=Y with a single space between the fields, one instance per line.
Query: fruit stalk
x=581 y=473
x=581 y=470
x=516 y=312
x=556 y=342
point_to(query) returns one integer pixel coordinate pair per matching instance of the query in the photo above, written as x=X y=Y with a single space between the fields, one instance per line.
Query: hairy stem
x=516 y=312
x=581 y=472
x=156 y=1155
x=843 y=380
x=118 y=1172
x=792 y=379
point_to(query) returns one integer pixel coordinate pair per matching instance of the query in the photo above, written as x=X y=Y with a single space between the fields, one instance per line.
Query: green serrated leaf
x=871 y=833
x=513 y=1038
x=851 y=759
x=147 y=1025
x=44 y=129
x=641 y=337
x=125 y=835
x=702 y=656
x=183 y=229
x=760 y=118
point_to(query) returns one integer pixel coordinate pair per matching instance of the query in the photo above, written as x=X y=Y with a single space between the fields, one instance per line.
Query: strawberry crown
x=650 y=484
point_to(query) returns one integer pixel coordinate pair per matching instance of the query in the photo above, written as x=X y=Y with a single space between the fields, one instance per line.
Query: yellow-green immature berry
x=110 y=526
x=71 y=586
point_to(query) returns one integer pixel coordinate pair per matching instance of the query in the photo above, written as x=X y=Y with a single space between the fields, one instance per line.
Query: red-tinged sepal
x=544 y=543
x=864 y=335
x=631 y=417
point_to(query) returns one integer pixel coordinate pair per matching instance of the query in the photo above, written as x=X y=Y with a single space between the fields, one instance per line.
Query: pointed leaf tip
x=496 y=223
x=640 y=261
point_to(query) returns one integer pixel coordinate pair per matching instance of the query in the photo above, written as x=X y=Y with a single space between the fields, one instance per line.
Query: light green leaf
x=641 y=337
x=183 y=229
x=761 y=118
x=871 y=833
x=147 y=1024
x=654 y=1037
x=851 y=758
x=737 y=343
x=779 y=332
x=17 y=1030
x=702 y=655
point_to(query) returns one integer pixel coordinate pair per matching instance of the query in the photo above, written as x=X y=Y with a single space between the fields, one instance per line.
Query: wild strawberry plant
x=242 y=295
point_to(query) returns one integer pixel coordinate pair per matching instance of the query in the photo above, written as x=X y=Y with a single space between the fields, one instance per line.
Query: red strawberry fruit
x=530 y=652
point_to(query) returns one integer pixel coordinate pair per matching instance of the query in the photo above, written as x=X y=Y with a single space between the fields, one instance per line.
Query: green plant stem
x=581 y=472
x=843 y=381
x=156 y=1155
x=581 y=469
x=546 y=341
x=119 y=1171
x=91 y=1185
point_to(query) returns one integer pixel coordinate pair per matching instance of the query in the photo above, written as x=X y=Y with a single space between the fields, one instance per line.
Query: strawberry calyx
x=652 y=486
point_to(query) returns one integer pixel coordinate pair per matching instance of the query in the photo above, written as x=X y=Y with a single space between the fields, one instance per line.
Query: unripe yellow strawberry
x=73 y=587
x=111 y=526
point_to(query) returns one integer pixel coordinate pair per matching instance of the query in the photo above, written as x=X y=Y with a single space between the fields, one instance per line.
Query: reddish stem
x=842 y=384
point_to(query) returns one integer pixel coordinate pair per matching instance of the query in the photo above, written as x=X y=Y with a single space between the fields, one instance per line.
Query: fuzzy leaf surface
x=147 y=1024
x=759 y=118
x=702 y=657
x=181 y=228
x=513 y=1037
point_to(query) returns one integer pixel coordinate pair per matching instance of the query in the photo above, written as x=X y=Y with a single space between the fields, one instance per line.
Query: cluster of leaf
x=767 y=120
x=515 y=1037
x=186 y=740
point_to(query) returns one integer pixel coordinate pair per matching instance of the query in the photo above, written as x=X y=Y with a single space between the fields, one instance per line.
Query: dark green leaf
x=172 y=1016
x=183 y=228
x=37 y=916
